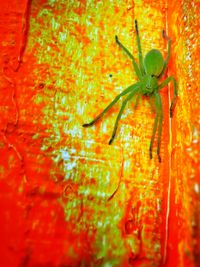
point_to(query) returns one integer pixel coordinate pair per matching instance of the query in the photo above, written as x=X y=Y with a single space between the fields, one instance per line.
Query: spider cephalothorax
x=148 y=71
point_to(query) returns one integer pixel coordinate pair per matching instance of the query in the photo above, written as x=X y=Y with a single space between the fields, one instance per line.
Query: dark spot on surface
x=41 y=85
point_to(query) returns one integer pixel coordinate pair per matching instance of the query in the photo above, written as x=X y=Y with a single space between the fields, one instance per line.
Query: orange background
x=67 y=198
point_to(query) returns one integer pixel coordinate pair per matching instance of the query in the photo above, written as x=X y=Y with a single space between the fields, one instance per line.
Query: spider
x=148 y=71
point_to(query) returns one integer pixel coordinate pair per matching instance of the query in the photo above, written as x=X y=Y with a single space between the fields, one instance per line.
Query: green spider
x=149 y=71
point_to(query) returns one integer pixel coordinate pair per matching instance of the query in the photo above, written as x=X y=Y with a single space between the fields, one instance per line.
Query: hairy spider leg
x=157 y=124
x=121 y=111
x=139 y=49
x=127 y=90
x=168 y=52
x=135 y=65
x=163 y=84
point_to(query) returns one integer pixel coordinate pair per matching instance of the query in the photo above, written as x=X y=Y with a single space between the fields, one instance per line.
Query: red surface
x=33 y=229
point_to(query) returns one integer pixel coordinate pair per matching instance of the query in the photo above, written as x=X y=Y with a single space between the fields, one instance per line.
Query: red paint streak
x=24 y=32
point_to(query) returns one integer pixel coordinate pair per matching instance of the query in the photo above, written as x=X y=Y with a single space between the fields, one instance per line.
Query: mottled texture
x=67 y=197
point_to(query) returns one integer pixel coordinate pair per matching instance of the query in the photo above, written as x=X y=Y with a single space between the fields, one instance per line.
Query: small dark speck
x=110 y=75
x=41 y=86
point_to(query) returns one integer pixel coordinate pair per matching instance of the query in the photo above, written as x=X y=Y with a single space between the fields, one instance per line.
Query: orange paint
x=66 y=197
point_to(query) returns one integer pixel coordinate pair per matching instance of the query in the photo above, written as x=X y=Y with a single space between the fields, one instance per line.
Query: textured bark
x=67 y=197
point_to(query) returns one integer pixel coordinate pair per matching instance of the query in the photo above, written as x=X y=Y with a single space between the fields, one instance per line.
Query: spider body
x=149 y=70
x=152 y=57
x=149 y=84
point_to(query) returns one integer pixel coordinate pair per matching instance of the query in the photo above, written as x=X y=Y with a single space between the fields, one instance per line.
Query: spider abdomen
x=153 y=62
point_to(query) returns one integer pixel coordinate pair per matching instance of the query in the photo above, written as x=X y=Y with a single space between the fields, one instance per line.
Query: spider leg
x=120 y=113
x=159 y=129
x=163 y=84
x=127 y=90
x=153 y=135
x=157 y=124
x=139 y=49
x=135 y=65
x=168 y=52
